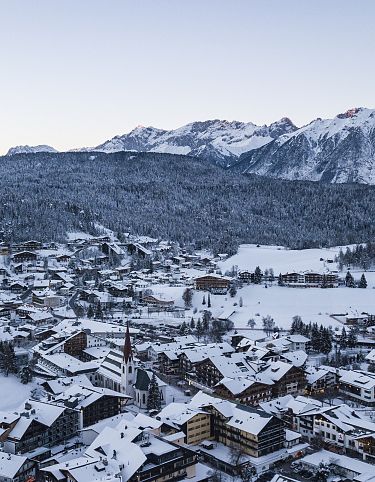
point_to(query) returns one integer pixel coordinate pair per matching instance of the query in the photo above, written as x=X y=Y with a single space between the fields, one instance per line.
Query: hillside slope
x=176 y=197
x=331 y=150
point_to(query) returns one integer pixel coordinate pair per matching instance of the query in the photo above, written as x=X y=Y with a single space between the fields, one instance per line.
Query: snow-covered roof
x=297 y=358
x=10 y=464
x=178 y=413
x=347 y=463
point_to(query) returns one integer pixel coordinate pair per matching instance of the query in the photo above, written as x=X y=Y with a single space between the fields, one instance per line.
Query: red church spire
x=127 y=345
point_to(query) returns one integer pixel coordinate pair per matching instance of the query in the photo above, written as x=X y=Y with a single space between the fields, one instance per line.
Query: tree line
x=173 y=197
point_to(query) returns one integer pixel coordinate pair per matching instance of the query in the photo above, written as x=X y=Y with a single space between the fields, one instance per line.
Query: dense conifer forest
x=175 y=197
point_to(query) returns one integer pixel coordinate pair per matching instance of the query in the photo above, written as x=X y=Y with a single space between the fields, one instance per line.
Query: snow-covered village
x=143 y=360
x=187 y=241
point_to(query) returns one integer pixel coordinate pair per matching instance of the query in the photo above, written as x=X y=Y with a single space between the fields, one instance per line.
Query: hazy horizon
x=78 y=73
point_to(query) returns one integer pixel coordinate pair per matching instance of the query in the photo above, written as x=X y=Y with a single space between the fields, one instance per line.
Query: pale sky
x=77 y=72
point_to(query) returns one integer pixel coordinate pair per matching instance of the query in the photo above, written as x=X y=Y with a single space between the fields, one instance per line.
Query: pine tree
x=90 y=312
x=153 y=399
x=183 y=328
x=363 y=282
x=8 y=359
x=326 y=341
x=199 y=329
x=192 y=323
x=241 y=302
x=280 y=281
x=25 y=375
x=99 y=311
x=343 y=339
x=232 y=291
x=209 y=301
x=352 y=338
x=315 y=337
x=187 y=297
x=217 y=330
x=204 y=300
x=206 y=322
x=349 y=280
x=257 y=275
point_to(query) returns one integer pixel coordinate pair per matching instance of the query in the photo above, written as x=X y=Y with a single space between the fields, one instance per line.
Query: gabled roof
x=10 y=464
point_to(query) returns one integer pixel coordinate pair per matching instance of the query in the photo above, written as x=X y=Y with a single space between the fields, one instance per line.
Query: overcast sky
x=77 y=72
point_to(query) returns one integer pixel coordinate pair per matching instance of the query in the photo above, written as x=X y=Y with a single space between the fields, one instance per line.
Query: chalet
x=27 y=246
x=154 y=300
x=293 y=279
x=112 y=250
x=39 y=318
x=17 y=287
x=212 y=370
x=17 y=468
x=358 y=385
x=137 y=248
x=212 y=282
x=76 y=344
x=23 y=256
x=246 y=390
x=126 y=452
x=194 y=423
x=63 y=258
x=169 y=362
x=252 y=432
x=7 y=422
x=41 y=424
x=4 y=249
x=46 y=298
x=246 y=276
x=287 y=379
x=62 y=364
x=93 y=403
x=190 y=357
x=310 y=279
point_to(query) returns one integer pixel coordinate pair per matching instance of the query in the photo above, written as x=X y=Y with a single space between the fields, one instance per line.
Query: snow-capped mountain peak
x=341 y=149
x=30 y=149
x=216 y=140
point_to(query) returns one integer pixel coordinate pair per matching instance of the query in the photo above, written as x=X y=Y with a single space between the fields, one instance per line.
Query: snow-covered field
x=13 y=392
x=282 y=303
x=281 y=259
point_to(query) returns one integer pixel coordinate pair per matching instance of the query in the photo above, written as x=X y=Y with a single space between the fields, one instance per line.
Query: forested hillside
x=177 y=197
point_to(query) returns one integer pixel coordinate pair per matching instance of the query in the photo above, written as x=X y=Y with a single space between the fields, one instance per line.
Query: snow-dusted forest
x=177 y=197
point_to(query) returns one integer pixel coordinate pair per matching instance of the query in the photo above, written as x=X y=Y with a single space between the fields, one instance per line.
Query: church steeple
x=128 y=368
x=128 y=354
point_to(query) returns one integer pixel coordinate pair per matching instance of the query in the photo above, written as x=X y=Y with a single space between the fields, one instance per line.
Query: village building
x=212 y=282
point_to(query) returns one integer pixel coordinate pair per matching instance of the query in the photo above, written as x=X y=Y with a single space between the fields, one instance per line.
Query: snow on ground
x=282 y=303
x=175 y=394
x=13 y=392
x=281 y=259
x=73 y=235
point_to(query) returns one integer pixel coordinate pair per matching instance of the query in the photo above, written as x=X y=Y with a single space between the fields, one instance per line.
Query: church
x=121 y=372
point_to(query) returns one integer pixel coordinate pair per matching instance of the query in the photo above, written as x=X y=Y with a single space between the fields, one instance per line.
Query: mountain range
x=337 y=150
